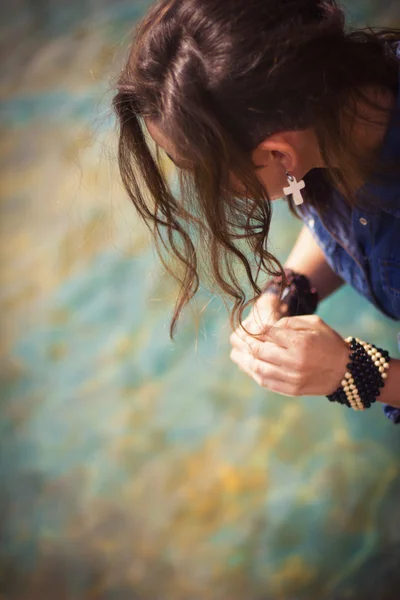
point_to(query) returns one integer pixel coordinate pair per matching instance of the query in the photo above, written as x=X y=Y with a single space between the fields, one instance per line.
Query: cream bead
x=382 y=360
x=381 y=369
x=377 y=363
x=343 y=383
x=348 y=375
x=370 y=353
x=386 y=365
x=384 y=375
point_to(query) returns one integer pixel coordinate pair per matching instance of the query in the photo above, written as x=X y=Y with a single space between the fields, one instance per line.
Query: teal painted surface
x=131 y=467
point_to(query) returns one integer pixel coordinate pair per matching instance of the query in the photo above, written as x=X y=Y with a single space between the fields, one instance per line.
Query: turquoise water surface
x=134 y=468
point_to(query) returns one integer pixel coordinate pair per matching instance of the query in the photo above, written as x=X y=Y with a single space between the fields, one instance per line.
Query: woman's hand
x=296 y=356
x=264 y=313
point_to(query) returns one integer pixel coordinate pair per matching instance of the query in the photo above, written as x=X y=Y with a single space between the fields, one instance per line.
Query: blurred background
x=132 y=467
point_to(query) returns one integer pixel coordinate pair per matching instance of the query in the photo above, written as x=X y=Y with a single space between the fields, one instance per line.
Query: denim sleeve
x=391 y=412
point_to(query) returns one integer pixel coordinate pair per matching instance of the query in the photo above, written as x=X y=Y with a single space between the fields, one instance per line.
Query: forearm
x=391 y=392
x=308 y=259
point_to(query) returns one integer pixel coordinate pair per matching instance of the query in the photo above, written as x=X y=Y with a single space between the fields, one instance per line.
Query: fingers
x=280 y=336
x=300 y=323
x=255 y=325
x=283 y=337
x=283 y=333
x=263 y=316
x=279 y=358
x=268 y=376
x=263 y=350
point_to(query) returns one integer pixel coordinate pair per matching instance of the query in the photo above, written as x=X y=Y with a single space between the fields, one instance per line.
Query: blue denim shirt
x=366 y=251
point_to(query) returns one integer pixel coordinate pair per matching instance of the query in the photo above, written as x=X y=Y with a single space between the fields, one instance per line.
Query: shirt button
x=311 y=223
x=363 y=221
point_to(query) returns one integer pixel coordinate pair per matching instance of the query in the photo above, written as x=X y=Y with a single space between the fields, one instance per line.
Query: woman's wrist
x=308 y=258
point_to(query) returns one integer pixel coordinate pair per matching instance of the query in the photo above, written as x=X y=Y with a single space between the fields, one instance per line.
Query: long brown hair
x=217 y=78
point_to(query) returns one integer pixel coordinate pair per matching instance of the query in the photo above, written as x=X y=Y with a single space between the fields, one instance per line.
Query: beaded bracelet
x=366 y=375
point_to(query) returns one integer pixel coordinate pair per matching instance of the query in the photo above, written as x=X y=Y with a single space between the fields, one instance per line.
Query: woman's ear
x=278 y=149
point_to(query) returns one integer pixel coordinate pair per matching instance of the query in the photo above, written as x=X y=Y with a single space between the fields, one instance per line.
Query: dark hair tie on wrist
x=298 y=298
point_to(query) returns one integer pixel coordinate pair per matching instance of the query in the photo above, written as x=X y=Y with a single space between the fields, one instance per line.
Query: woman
x=254 y=101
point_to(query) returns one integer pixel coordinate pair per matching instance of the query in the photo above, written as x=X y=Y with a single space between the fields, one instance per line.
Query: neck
x=310 y=151
x=371 y=125
x=367 y=131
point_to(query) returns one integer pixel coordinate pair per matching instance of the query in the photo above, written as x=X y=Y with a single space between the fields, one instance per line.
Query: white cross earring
x=295 y=188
